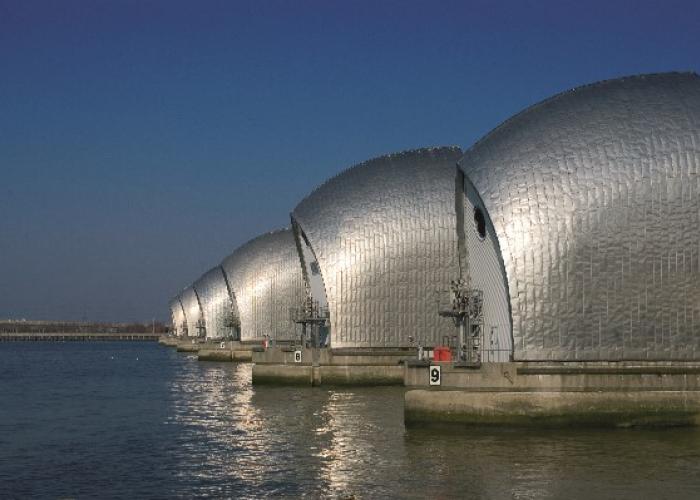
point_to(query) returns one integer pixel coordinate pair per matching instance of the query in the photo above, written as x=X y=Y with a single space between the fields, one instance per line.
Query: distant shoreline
x=79 y=337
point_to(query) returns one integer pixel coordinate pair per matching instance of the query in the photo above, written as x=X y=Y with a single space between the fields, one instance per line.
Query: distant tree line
x=28 y=326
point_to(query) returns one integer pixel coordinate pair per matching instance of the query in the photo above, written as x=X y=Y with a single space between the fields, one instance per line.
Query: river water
x=137 y=420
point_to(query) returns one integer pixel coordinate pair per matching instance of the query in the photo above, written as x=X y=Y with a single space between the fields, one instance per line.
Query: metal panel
x=594 y=196
x=265 y=277
x=486 y=273
x=193 y=311
x=384 y=235
x=178 y=316
x=173 y=314
x=215 y=300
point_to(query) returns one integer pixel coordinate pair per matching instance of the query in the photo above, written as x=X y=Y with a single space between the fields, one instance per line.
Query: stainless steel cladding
x=266 y=280
x=178 y=317
x=486 y=274
x=384 y=236
x=594 y=197
x=217 y=309
x=193 y=312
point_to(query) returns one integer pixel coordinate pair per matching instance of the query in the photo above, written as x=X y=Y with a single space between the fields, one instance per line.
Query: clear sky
x=143 y=141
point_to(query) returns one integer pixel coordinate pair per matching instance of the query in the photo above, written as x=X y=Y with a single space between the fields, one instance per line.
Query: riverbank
x=78 y=337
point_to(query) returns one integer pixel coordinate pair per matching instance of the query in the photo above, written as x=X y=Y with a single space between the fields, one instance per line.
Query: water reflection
x=244 y=441
x=358 y=439
x=278 y=440
x=139 y=421
x=225 y=443
x=486 y=463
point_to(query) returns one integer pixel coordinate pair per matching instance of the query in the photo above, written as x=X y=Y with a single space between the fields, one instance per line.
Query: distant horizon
x=141 y=143
x=80 y=322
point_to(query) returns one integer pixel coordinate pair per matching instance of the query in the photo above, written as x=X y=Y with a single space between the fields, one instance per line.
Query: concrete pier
x=230 y=350
x=188 y=344
x=213 y=351
x=605 y=394
x=324 y=366
x=168 y=340
x=553 y=409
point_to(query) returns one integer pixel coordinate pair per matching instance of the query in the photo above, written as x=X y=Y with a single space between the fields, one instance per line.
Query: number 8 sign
x=435 y=375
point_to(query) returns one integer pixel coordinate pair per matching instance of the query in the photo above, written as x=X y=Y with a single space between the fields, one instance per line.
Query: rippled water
x=137 y=420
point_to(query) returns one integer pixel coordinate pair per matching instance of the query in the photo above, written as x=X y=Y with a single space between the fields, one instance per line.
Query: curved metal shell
x=215 y=300
x=594 y=196
x=178 y=316
x=485 y=272
x=384 y=235
x=193 y=311
x=266 y=281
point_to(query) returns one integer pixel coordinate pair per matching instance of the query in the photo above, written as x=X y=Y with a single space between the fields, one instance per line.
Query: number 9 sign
x=435 y=375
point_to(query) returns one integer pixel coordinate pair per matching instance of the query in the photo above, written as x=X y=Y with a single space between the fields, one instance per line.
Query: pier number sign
x=297 y=356
x=435 y=375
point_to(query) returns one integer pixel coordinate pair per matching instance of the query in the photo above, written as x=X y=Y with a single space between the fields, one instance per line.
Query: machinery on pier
x=465 y=306
x=314 y=321
x=231 y=327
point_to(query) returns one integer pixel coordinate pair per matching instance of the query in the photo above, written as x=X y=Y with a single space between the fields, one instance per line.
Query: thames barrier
x=548 y=275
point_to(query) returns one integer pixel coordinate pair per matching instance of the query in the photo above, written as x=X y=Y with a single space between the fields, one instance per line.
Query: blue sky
x=141 y=142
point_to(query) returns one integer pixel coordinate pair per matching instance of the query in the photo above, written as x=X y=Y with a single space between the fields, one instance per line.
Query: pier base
x=242 y=355
x=168 y=341
x=601 y=394
x=324 y=366
x=188 y=344
x=553 y=409
x=231 y=350
x=211 y=353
